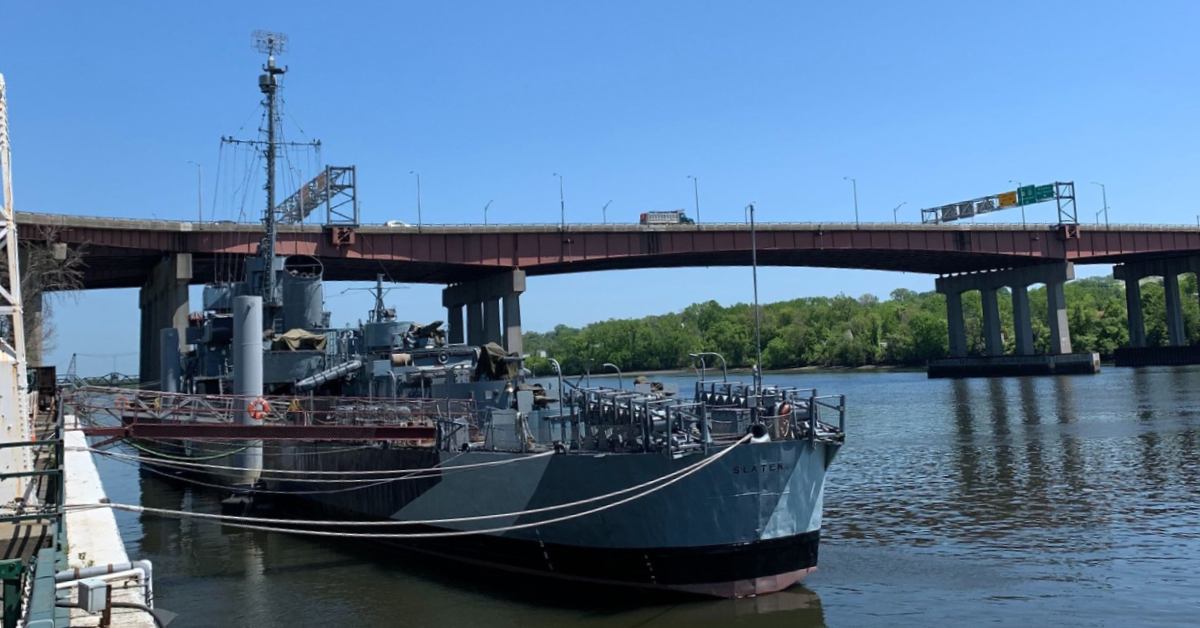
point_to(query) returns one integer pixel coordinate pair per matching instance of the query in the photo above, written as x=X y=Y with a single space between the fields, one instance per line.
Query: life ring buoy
x=121 y=402
x=783 y=420
x=258 y=409
x=443 y=357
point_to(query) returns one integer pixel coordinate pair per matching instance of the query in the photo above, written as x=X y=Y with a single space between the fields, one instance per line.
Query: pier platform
x=1015 y=365
x=93 y=538
x=1157 y=356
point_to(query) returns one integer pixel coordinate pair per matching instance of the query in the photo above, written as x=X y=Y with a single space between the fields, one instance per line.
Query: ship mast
x=270 y=44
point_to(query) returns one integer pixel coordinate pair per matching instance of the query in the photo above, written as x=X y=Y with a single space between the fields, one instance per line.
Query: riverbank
x=869 y=368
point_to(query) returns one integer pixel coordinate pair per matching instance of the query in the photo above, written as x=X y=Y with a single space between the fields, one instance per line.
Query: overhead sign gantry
x=1063 y=193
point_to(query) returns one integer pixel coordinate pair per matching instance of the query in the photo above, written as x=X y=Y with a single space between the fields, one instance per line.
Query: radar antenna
x=270 y=43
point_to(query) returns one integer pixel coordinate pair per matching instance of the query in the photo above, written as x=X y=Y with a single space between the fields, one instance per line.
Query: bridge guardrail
x=38 y=218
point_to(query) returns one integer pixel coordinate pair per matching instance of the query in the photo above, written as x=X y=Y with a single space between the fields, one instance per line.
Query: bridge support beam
x=482 y=299
x=954 y=318
x=1059 y=358
x=474 y=323
x=164 y=304
x=991 y=322
x=1175 y=335
x=1133 y=305
x=454 y=314
x=1177 y=351
x=512 y=323
x=1056 y=315
x=1022 y=324
x=491 y=321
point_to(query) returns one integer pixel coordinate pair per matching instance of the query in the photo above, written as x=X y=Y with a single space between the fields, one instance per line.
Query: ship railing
x=667 y=424
x=821 y=429
x=805 y=416
x=127 y=406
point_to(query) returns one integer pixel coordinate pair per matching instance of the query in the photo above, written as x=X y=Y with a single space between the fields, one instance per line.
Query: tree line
x=907 y=329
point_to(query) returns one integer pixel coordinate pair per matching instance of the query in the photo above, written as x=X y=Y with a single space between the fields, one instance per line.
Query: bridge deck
x=119 y=252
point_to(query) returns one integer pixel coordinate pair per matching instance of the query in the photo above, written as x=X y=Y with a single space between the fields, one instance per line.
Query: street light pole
x=696 y=191
x=854 y=185
x=895 y=209
x=418 y=198
x=1018 y=184
x=1104 y=195
x=604 y=212
x=485 y=208
x=199 y=193
x=562 y=203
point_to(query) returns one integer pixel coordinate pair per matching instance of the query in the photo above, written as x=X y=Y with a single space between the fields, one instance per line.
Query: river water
x=1020 y=501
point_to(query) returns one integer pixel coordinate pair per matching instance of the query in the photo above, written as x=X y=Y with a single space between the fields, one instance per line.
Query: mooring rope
x=377 y=474
x=232 y=521
x=163 y=454
x=264 y=491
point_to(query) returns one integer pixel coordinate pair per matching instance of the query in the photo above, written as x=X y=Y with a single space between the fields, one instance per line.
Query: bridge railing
x=69 y=220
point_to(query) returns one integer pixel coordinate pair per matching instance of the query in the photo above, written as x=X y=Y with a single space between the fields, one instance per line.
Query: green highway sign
x=1031 y=194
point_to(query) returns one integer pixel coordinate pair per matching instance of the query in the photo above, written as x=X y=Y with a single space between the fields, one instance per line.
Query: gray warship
x=715 y=491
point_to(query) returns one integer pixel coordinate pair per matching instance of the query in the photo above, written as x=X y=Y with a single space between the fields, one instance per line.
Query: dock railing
x=32 y=525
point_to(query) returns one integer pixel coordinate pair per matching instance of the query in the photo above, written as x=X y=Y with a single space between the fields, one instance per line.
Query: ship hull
x=732 y=571
x=745 y=524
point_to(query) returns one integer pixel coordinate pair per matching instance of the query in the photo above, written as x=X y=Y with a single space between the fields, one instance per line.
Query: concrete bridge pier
x=164 y=304
x=484 y=300
x=1059 y=358
x=1133 y=306
x=1177 y=351
x=992 y=337
x=1056 y=316
x=1022 y=324
x=454 y=314
x=954 y=319
x=1175 y=335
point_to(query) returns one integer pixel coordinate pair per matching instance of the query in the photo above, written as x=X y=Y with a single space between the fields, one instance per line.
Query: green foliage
x=908 y=328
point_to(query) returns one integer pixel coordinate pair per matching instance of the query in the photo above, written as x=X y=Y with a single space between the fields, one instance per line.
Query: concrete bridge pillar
x=1174 y=309
x=1018 y=279
x=512 y=323
x=1056 y=313
x=954 y=318
x=1133 y=305
x=1169 y=269
x=164 y=304
x=991 y=322
x=491 y=320
x=1022 y=323
x=454 y=319
x=474 y=323
x=482 y=299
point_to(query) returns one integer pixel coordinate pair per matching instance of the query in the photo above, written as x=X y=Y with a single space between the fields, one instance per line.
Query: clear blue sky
x=772 y=102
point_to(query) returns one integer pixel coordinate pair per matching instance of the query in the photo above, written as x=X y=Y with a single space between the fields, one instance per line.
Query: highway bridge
x=120 y=252
x=484 y=266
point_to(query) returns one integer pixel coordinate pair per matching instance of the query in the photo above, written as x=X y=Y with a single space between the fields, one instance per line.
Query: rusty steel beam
x=229 y=431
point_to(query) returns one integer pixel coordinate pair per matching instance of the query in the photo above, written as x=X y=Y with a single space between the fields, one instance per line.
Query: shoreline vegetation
x=904 y=331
